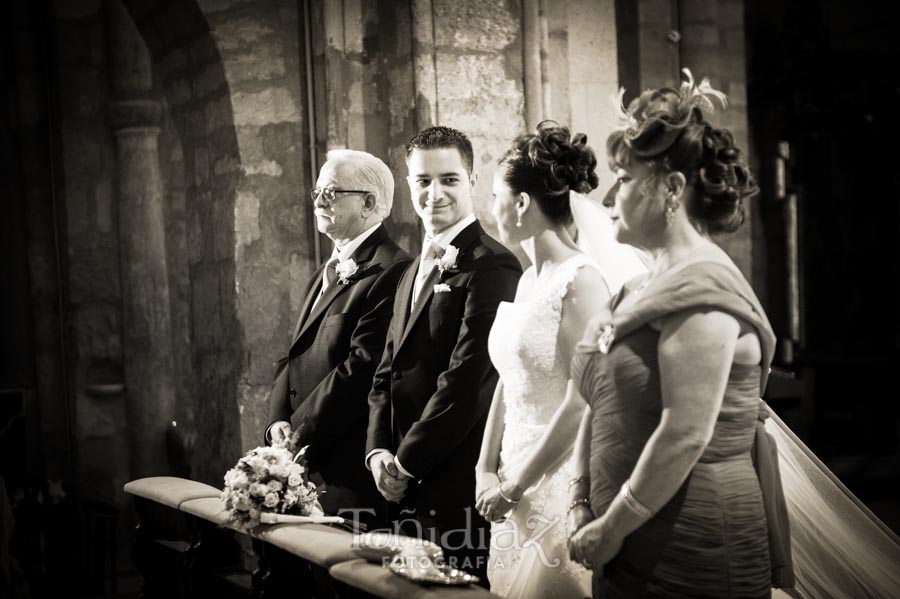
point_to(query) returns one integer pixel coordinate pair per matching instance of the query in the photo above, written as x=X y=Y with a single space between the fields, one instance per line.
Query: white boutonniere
x=346 y=270
x=446 y=262
x=605 y=340
x=441 y=288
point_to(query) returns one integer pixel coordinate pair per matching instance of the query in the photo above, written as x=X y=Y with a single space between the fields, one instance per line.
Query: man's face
x=440 y=187
x=341 y=219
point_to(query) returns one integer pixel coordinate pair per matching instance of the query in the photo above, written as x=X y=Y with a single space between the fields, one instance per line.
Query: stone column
x=147 y=334
x=425 y=74
x=533 y=59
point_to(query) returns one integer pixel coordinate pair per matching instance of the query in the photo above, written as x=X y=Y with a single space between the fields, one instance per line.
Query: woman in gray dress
x=668 y=502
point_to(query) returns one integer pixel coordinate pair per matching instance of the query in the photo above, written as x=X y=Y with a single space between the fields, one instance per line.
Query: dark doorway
x=823 y=77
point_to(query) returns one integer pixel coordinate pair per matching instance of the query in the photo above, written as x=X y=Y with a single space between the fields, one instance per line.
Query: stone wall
x=658 y=38
x=175 y=215
x=188 y=69
x=233 y=79
x=260 y=50
x=452 y=63
x=364 y=92
x=477 y=57
x=713 y=46
x=582 y=74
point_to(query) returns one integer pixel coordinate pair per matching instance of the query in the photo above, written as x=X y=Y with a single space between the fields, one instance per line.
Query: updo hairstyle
x=668 y=131
x=547 y=165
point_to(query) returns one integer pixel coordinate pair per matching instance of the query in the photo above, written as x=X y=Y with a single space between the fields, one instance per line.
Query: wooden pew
x=376 y=581
x=165 y=541
x=214 y=565
x=185 y=547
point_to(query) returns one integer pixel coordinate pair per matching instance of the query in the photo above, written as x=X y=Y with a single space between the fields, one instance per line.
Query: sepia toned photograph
x=511 y=299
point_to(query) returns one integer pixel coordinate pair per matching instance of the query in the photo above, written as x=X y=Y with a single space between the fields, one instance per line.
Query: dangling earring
x=519 y=220
x=671 y=207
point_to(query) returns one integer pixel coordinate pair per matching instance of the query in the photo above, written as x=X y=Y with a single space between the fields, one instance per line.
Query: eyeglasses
x=329 y=194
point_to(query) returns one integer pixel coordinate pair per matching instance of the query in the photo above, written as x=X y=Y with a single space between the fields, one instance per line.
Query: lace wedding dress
x=529 y=556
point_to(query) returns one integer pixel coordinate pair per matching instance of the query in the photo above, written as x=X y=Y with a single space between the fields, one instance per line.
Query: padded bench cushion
x=381 y=582
x=170 y=490
x=208 y=508
x=319 y=544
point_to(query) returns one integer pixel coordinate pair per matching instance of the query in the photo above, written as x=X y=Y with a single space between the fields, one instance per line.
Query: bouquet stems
x=270 y=518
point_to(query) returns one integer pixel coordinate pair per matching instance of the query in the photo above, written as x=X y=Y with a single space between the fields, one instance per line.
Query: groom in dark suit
x=322 y=385
x=432 y=391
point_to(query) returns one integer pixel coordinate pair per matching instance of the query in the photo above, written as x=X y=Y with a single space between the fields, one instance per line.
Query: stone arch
x=231 y=77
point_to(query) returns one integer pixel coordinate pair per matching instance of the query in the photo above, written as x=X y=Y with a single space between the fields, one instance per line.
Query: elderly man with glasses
x=322 y=384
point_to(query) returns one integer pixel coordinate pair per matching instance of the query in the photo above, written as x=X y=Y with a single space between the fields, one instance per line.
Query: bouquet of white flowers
x=268 y=481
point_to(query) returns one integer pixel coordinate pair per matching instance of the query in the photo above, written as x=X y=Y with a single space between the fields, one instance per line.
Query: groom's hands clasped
x=391 y=483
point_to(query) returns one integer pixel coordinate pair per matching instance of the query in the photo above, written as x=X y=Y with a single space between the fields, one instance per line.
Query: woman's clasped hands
x=494 y=498
x=595 y=544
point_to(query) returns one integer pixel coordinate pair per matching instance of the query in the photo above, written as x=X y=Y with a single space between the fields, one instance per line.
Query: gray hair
x=365 y=171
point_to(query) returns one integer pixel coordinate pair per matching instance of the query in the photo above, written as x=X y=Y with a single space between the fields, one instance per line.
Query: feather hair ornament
x=654 y=120
x=700 y=95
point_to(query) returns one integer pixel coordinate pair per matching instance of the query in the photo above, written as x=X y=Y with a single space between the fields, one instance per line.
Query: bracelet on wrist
x=580 y=501
x=579 y=479
x=633 y=503
x=504 y=496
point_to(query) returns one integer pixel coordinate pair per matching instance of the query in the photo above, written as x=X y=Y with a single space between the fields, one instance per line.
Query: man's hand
x=279 y=432
x=391 y=483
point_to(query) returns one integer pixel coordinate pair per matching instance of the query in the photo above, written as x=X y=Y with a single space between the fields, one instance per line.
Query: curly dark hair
x=547 y=165
x=670 y=133
x=433 y=138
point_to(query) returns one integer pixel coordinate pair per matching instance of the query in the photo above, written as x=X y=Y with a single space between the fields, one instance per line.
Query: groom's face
x=440 y=187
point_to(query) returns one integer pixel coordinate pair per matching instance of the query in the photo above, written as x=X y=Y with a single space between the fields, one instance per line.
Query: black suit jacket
x=433 y=389
x=322 y=385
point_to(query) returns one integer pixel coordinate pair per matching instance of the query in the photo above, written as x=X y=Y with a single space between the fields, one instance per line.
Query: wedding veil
x=617 y=261
x=839 y=547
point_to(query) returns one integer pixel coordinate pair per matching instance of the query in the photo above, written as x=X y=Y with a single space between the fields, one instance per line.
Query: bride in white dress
x=523 y=473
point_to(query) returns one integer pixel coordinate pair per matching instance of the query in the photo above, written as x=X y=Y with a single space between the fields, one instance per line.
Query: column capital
x=126 y=114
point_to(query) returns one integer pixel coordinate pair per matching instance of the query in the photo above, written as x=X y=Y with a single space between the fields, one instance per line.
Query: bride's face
x=504 y=209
